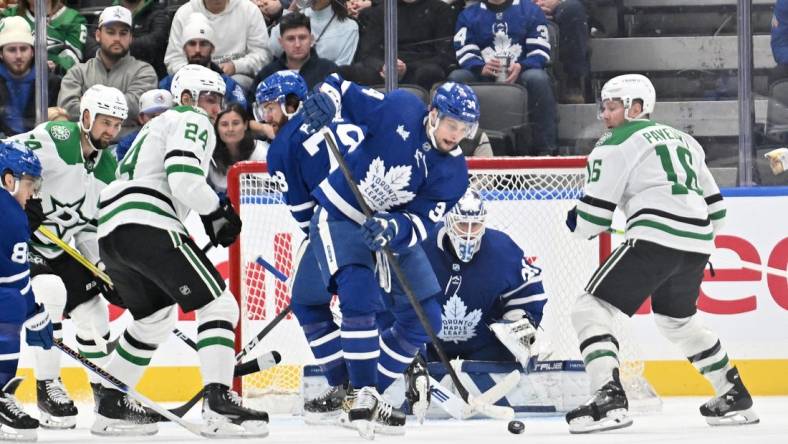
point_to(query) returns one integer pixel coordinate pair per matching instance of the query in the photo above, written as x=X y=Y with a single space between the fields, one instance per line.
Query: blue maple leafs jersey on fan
x=301 y=161
x=517 y=30
x=478 y=293
x=415 y=178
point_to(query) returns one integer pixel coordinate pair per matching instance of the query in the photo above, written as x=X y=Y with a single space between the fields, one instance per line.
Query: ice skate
x=119 y=415
x=327 y=407
x=370 y=413
x=732 y=408
x=15 y=424
x=417 y=392
x=57 y=410
x=225 y=417
x=607 y=410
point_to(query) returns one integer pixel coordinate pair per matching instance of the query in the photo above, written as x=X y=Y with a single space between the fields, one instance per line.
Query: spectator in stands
x=66 y=32
x=336 y=34
x=18 y=78
x=425 y=29
x=152 y=103
x=241 y=39
x=478 y=146
x=780 y=41
x=498 y=40
x=573 y=34
x=354 y=7
x=234 y=142
x=272 y=11
x=112 y=66
x=199 y=44
x=299 y=54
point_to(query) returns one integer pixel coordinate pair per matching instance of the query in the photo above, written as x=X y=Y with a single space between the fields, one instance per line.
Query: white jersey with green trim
x=71 y=186
x=657 y=176
x=162 y=176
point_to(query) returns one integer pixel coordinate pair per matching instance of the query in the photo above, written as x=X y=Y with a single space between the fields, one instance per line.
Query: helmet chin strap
x=432 y=128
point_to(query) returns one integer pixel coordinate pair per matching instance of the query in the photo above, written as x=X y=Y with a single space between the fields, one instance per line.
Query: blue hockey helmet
x=276 y=88
x=21 y=162
x=465 y=224
x=456 y=101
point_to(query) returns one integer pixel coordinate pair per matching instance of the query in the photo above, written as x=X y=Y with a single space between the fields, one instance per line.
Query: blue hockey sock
x=360 y=345
x=9 y=351
x=396 y=354
x=324 y=340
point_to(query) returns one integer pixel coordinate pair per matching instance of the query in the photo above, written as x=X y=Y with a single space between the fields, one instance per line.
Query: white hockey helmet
x=465 y=225
x=100 y=99
x=629 y=87
x=197 y=80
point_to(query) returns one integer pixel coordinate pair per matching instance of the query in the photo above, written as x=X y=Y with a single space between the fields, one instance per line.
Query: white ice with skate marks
x=679 y=422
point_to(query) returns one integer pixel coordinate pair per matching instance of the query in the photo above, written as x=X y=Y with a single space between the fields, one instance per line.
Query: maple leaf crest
x=386 y=189
x=458 y=324
x=502 y=47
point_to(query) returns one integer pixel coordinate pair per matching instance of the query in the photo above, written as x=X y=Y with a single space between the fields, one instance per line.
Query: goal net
x=527 y=198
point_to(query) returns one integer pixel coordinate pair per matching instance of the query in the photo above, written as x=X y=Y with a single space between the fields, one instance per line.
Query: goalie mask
x=465 y=225
x=627 y=88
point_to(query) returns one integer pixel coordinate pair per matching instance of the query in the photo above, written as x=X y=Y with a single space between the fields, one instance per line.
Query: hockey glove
x=319 y=111
x=517 y=336
x=571 y=219
x=38 y=329
x=223 y=225
x=35 y=214
x=379 y=230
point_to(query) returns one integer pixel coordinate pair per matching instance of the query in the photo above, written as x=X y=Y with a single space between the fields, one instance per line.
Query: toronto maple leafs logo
x=458 y=324
x=502 y=46
x=402 y=133
x=384 y=189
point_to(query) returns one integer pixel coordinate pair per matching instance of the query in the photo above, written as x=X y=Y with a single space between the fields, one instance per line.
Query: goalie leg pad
x=592 y=319
x=701 y=346
x=216 y=339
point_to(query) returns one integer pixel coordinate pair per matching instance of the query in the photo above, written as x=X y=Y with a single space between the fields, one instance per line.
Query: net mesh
x=527 y=202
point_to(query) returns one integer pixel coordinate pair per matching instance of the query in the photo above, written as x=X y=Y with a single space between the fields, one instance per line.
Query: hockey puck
x=516 y=427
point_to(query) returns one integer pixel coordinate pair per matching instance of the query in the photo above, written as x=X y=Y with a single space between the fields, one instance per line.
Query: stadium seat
x=777 y=112
x=504 y=117
x=420 y=92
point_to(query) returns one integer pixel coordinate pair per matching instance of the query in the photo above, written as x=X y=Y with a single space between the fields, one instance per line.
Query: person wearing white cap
x=152 y=103
x=199 y=44
x=17 y=78
x=66 y=32
x=241 y=46
x=112 y=66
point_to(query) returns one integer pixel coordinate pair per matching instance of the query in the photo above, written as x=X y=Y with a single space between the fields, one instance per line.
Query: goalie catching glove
x=516 y=335
x=223 y=225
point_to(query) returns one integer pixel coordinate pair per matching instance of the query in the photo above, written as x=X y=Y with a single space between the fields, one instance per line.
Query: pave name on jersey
x=384 y=189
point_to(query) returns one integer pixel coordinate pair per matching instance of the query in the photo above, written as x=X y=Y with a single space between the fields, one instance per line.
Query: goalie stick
x=404 y=283
x=118 y=384
x=484 y=403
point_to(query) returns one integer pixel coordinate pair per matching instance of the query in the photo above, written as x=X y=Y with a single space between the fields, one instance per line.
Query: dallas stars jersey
x=162 y=177
x=71 y=186
x=396 y=167
x=475 y=294
x=66 y=35
x=657 y=175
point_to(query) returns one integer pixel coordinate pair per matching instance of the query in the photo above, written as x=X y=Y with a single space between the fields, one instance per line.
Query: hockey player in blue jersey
x=20 y=171
x=486 y=282
x=411 y=171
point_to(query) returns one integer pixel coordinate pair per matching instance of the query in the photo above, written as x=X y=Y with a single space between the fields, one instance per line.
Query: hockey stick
x=404 y=283
x=190 y=426
x=459 y=409
x=74 y=253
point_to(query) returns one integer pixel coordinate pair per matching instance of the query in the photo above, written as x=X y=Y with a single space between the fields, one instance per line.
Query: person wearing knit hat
x=17 y=77
x=199 y=44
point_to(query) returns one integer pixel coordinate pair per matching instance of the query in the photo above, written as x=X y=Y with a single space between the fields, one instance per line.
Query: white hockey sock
x=91 y=322
x=216 y=339
x=51 y=292
x=130 y=359
x=47 y=362
x=701 y=346
x=593 y=319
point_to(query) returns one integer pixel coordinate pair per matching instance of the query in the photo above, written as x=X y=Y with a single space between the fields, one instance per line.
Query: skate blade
x=11 y=434
x=737 y=418
x=312 y=418
x=365 y=428
x=389 y=430
x=48 y=421
x=226 y=429
x=615 y=419
x=104 y=426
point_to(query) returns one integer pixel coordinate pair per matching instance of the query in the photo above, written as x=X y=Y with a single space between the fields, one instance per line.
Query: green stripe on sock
x=207 y=342
x=600 y=354
x=131 y=358
x=716 y=366
x=94 y=355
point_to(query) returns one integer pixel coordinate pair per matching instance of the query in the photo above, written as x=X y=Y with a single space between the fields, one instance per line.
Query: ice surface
x=679 y=422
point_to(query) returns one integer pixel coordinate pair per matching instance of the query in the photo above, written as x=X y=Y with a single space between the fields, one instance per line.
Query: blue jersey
x=779 y=40
x=14 y=236
x=301 y=161
x=476 y=294
x=517 y=30
x=396 y=167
